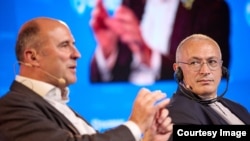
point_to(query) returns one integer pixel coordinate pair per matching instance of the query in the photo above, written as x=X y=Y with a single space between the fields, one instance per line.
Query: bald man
x=198 y=71
x=35 y=108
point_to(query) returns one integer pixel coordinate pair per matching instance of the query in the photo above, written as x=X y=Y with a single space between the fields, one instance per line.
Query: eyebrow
x=198 y=58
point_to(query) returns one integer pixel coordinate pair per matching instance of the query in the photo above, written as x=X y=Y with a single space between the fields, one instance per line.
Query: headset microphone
x=61 y=81
x=26 y=64
x=178 y=75
x=189 y=87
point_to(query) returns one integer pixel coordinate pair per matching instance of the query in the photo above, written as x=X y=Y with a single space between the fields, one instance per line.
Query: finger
x=98 y=16
x=159 y=100
x=165 y=122
x=125 y=14
x=142 y=93
x=168 y=129
x=162 y=103
x=162 y=115
x=166 y=126
x=154 y=97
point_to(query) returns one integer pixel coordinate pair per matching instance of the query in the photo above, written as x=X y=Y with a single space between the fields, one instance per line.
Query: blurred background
x=106 y=105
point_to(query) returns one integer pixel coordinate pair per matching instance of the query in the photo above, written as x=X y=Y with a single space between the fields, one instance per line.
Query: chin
x=207 y=93
x=71 y=80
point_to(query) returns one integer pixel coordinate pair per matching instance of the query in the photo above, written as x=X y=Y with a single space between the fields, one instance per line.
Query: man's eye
x=64 y=45
x=213 y=62
x=194 y=63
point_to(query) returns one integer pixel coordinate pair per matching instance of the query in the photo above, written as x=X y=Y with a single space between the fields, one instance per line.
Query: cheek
x=64 y=56
x=217 y=77
x=189 y=78
x=57 y=63
x=59 y=59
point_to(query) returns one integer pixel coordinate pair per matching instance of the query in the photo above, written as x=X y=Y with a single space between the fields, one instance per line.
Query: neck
x=64 y=92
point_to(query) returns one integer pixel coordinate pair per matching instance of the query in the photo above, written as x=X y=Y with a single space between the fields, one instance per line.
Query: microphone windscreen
x=61 y=81
x=189 y=87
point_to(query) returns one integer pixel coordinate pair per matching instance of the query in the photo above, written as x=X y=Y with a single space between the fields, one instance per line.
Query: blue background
x=107 y=105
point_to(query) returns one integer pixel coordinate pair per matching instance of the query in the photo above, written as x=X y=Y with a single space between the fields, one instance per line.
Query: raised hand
x=105 y=37
x=145 y=110
x=126 y=25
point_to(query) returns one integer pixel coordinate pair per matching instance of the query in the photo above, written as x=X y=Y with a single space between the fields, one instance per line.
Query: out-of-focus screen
x=106 y=105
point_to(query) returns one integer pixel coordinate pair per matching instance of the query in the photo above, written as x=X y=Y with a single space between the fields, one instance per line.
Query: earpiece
x=61 y=81
x=178 y=75
x=225 y=73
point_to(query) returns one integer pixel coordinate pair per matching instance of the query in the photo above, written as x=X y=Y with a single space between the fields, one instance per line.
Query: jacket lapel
x=18 y=88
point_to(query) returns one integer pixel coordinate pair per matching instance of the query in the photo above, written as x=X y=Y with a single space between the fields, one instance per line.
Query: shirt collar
x=44 y=89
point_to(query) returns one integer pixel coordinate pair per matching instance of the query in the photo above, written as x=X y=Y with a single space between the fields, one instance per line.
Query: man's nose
x=205 y=68
x=75 y=53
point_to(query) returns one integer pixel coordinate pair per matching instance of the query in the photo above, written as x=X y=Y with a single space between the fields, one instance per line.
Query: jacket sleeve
x=31 y=119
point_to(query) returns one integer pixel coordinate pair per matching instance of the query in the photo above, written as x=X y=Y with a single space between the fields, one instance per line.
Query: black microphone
x=187 y=91
x=61 y=81
x=189 y=87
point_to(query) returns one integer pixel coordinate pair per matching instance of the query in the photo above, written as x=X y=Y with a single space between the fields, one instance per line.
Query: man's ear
x=30 y=56
x=175 y=66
